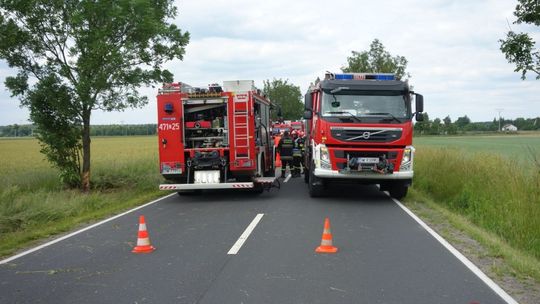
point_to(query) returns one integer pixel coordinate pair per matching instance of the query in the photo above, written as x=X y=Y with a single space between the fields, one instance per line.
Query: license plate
x=368 y=160
x=207 y=177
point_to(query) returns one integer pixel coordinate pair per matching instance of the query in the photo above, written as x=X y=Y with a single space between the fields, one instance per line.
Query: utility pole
x=499 y=110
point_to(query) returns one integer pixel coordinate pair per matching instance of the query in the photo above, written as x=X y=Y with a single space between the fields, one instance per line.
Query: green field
x=516 y=146
x=33 y=203
x=493 y=181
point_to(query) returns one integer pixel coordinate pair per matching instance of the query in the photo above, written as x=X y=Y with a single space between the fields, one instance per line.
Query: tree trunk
x=86 y=151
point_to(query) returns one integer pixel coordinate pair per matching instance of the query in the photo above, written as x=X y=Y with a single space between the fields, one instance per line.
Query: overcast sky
x=452 y=48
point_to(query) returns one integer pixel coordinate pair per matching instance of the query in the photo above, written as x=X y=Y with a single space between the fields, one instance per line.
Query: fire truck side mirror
x=308 y=103
x=308 y=114
x=419 y=117
x=419 y=103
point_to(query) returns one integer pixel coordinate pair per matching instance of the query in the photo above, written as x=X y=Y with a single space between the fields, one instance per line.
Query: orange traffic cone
x=326 y=242
x=278 y=160
x=143 y=241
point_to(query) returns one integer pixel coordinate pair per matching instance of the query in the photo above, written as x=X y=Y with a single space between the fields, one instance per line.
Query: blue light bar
x=364 y=76
x=384 y=77
x=344 y=76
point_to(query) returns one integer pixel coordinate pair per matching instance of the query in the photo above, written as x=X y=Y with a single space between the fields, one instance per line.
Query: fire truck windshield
x=391 y=107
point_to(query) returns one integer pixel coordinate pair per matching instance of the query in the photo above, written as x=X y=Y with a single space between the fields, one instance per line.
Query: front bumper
x=207 y=186
x=327 y=173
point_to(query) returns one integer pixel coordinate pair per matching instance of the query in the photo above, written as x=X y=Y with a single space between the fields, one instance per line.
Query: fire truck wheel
x=258 y=188
x=398 y=190
x=315 y=184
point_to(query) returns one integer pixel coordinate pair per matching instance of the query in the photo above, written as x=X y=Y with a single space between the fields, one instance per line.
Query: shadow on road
x=354 y=193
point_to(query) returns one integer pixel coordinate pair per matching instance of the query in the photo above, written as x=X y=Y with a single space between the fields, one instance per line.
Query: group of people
x=291 y=150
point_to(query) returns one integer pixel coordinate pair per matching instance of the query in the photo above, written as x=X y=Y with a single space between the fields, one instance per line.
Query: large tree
x=376 y=59
x=519 y=48
x=75 y=56
x=287 y=96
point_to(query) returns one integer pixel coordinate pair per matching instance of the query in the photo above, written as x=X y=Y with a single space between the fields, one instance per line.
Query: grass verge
x=33 y=204
x=493 y=192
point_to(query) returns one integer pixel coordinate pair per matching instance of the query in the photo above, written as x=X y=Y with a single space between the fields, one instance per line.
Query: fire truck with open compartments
x=359 y=129
x=215 y=138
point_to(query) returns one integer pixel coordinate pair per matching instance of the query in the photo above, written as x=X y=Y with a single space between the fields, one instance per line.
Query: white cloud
x=452 y=48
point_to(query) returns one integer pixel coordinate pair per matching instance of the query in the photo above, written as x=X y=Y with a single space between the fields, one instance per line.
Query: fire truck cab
x=214 y=138
x=359 y=129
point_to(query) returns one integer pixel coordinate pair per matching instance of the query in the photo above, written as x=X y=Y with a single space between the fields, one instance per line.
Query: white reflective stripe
x=142 y=226
x=143 y=242
x=326 y=243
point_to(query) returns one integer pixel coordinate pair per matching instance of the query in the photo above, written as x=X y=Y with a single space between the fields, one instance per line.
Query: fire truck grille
x=366 y=134
x=390 y=156
x=343 y=154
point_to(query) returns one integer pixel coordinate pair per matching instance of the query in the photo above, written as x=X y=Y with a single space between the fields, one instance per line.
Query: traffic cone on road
x=143 y=241
x=326 y=242
x=278 y=160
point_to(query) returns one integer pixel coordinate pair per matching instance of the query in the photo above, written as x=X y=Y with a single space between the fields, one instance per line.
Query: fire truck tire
x=315 y=184
x=258 y=189
x=398 y=190
x=306 y=175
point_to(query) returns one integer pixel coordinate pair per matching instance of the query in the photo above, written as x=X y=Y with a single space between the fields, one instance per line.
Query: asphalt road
x=384 y=255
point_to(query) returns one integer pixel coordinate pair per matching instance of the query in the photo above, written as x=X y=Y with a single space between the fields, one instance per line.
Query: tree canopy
x=75 y=56
x=519 y=48
x=287 y=96
x=377 y=59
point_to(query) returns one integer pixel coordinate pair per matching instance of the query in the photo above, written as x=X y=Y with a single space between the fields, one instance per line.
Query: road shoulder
x=484 y=252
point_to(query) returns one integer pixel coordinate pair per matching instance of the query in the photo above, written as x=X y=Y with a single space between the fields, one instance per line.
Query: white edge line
x=287 y=178
x=481 y=275
x=236 y=247
x=80 y=231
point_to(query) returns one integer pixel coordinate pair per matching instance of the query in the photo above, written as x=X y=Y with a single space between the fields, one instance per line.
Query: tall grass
x=34 y=204
x=497 y=193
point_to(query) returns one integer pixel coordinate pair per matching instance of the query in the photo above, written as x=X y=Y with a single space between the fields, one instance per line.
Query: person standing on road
x=298 y=154
x=285 y=150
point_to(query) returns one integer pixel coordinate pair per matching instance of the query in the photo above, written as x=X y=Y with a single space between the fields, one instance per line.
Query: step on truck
x=215 y=138
x=359 y=130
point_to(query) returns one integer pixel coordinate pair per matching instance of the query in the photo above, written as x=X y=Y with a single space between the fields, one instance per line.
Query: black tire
x=258 y=189
x=306 y=176
x=315 y=184
x=398 y=190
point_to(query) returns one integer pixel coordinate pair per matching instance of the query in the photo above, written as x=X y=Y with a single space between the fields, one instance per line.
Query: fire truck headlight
x=406 y=161
x=325 y=158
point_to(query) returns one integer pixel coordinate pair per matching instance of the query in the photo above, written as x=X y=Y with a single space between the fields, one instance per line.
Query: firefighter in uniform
x=285 y=150
x=298 y=157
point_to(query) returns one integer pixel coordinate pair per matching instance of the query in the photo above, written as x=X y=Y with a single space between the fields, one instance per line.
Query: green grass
x=511 y=145
x=33 y=203
x=492 y=181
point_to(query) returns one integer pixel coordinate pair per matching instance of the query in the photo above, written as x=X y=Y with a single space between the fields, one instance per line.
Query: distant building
x=509 y=128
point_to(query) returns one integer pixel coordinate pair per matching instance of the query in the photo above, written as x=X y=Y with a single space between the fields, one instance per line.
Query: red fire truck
x=297 y=126
x=214 y=138
x=359 y=129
